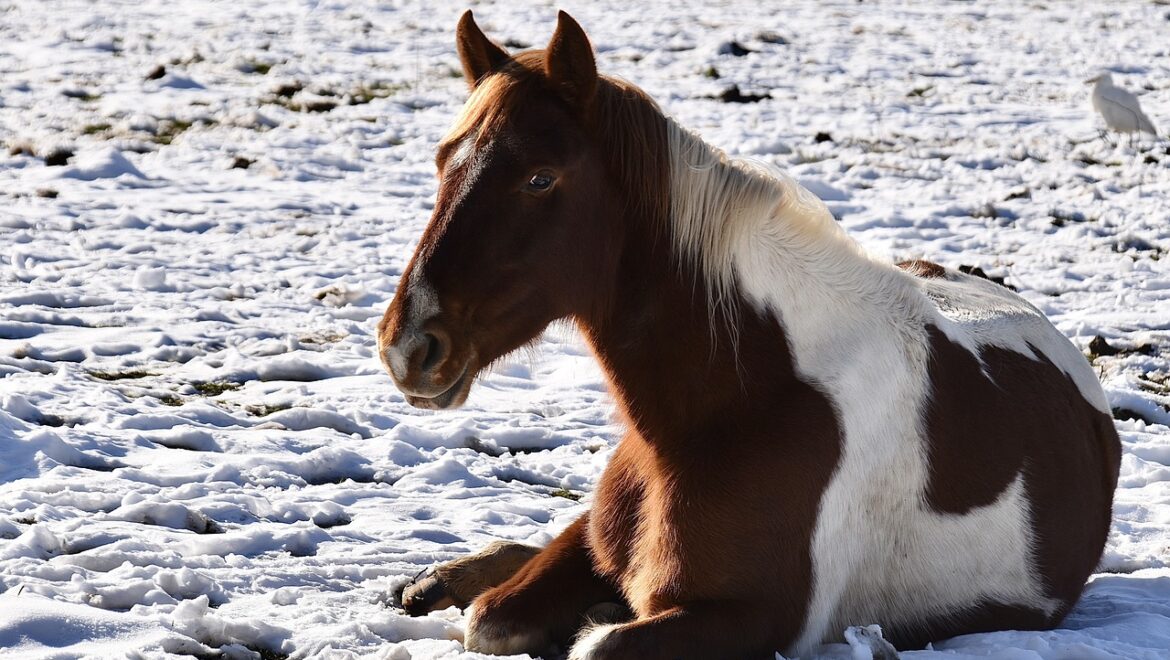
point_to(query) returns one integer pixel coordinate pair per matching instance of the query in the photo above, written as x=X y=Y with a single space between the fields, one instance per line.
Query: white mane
x=751 y=228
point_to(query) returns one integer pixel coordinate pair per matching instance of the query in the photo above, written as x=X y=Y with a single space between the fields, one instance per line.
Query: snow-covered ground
x=199 y=452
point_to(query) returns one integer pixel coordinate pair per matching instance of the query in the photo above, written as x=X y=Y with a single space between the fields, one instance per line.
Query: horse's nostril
x=434 y=352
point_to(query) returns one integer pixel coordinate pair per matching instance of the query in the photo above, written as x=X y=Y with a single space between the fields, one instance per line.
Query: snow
x=199 y=451
x=106 y=163
x=36 y=627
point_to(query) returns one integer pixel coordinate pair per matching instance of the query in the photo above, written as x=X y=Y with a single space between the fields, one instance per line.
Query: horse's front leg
x=699 y=630
x=543 y=605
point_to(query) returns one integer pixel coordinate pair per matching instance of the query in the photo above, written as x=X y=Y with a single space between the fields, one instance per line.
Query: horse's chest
x=661 y=556
x=635 y=536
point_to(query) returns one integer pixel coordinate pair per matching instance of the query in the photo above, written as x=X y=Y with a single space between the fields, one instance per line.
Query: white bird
x=1120 y=109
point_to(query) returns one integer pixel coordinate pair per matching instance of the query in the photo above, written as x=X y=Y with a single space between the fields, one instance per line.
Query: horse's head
x=523 y=227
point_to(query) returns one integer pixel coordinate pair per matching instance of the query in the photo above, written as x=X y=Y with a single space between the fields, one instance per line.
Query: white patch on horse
x=464 y=151
x=857 y=331
x=423 y=305
x=424 y=302
x=467 y=161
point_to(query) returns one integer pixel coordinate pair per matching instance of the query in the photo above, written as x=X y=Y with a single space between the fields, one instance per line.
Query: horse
x=814 y=438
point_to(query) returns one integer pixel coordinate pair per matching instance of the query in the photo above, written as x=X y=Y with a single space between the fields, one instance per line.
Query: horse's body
x=816 y=439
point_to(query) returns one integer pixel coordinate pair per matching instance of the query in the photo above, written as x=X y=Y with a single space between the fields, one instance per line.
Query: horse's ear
x=477 y=53
x=569 y=61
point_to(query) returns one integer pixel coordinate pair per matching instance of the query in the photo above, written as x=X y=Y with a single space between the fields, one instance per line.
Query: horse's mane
x=708 y=203
x=635 y=135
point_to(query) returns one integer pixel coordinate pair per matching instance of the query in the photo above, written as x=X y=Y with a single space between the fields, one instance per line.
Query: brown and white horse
x=816 y=438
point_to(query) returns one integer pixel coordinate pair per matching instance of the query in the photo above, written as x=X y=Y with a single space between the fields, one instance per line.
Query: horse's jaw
x=453 y=397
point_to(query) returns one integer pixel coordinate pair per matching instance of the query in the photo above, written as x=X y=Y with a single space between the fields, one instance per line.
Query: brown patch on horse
x=986 y=617
x=710 y=460
x=922 y=268
x=1003 y=414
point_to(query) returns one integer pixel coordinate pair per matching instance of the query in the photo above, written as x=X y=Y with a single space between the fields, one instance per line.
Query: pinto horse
x=816 y=438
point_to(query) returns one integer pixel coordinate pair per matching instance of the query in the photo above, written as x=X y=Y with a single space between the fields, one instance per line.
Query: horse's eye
x=540 y=181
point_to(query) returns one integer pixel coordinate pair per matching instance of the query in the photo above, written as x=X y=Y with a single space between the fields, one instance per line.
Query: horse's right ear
x=477 y=53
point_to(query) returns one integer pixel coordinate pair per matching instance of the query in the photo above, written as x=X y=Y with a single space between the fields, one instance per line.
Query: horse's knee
x=459 y=582
x=510 y=620
x=495 y=626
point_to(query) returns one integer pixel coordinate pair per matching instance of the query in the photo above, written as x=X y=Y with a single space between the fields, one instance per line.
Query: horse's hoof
x=425 y=593
x=459 y=582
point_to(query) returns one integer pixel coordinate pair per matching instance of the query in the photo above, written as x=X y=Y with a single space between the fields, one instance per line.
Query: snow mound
x=36 y=452
x=106 y=163
x=196 y=619
x=36 y=627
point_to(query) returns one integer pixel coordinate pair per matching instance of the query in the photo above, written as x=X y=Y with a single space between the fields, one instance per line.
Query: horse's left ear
x=569 y=61
x=478 y=55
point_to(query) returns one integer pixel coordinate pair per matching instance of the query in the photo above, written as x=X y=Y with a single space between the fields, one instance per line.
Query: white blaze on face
x=422 y=305
x=465 y=167
x=463 y=152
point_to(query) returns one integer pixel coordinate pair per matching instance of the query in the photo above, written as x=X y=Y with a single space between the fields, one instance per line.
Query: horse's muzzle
x=424 y=368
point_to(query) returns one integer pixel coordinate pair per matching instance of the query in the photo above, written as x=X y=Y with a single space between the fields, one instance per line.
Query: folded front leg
x=718 y=630
x=544 y=604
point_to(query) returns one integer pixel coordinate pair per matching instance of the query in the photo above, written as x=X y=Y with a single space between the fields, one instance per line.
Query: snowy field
x=205 y=207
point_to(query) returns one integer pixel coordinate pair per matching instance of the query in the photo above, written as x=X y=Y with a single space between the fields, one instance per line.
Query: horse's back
x=980 y=315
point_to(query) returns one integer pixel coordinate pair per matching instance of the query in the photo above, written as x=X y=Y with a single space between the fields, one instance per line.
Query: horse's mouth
x=452 y=397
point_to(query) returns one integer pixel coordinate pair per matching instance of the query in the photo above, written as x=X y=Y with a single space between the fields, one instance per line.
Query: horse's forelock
x=633 y=134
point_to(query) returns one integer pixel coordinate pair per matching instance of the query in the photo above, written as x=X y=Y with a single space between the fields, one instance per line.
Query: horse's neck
x=677 y=365
x=757 y=267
